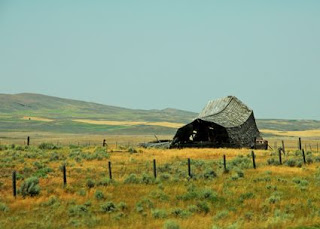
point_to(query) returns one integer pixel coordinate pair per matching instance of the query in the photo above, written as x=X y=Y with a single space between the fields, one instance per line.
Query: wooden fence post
x=225 y=163
x=283 y=148
x=28 y=140
x=14 y=184
x=280 y=159
x=104 y=143
x=110 y=171
x=304 y=156
x=64 y=170
x=154 y=168
x=300 y=144
x=189 y=168
x=253 y=160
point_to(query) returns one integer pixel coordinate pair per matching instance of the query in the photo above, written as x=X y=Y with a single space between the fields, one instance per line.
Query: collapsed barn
x=224 y=122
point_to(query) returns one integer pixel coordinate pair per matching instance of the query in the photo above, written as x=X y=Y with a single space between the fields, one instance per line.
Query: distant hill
x=35 y=112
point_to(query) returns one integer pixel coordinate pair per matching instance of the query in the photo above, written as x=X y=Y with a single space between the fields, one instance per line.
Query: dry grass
x=296 y=206
x=305 y=133
x=129 y=123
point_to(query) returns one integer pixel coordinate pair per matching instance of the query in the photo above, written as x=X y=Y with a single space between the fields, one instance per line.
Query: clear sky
x=157 y=54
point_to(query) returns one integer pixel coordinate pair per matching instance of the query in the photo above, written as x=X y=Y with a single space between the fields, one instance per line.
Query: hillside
x=34 y=112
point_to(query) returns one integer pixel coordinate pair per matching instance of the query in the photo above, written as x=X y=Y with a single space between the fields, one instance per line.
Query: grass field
x=271 y=196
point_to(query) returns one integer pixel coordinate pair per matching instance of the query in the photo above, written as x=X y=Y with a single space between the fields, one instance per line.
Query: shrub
x=78 y=210
x=160 y=195
x=122 y=206
x=221 y=215
x=209 y=174
x=132 y=150
x=144 y=204
x=3 y=207
x=274 y=198
x=159 y=213
x=30 y=187
x=165 y=176
x=53 y=200
x=82 y=192
x=108 y=207
x=49 y=146
x=178 y=212
x=99 y=195
x=147 y=179
x=208 y=194
x=203 y=207
x=290 y=162
x=90 y=183
x=170 y=224
x=272 y=161
x=105 y=182
x=132 y=179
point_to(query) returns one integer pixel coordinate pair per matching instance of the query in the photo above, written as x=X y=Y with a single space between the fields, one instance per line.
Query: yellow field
x=37 y=119
x=267 y=197
x=128 y=123
x=305 y=133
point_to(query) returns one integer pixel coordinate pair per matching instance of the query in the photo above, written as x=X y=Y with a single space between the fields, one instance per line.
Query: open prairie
x=270 y=196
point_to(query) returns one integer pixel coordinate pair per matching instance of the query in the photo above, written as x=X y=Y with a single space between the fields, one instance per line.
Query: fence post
x=253 y=160
x=300 y=145
x=283 y=148
x=28 y=140
x=64 y=175
x=104 y=143
x=110 y=171
x=304 y=156
x=154 y=168
x=189 y=168
x=14 y=184
x=280 y=159
x=225 y=163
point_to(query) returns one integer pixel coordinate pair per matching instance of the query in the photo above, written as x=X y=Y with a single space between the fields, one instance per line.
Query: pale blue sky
x=158 y=54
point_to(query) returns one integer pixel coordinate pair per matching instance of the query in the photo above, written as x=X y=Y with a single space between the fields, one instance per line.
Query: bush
x=90 y=183
x=208 y=194
x=165 y=176
x=290 y=162
x=30 y=187
x=272 y=161
x=209 y=174
x=159 y=213
x=147 y=179
x=3 y=207
x=132 y=150
x=203 y=207
x=144 y=204
x=170 y=224
x=221 y=215
x=274 y=198
x=49 y=146
x=78 y=210
x=99 y=195
x=178 y=212
x=132 y=179
x=53 y=200
x=105 y=182
x=108 y=207
x=122 y=206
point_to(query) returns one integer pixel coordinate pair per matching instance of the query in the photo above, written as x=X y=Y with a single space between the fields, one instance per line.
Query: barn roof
x=227 y=112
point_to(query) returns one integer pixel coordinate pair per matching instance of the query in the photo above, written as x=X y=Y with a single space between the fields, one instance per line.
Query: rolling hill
x=34 y=112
